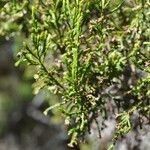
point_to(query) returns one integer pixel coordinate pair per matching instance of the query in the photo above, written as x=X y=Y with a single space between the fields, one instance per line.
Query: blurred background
x=23 y=125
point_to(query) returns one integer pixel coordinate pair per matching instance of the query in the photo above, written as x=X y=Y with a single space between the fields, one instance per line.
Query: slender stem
x=49 y=74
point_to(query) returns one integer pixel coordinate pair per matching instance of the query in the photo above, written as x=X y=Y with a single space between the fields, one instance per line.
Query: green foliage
x=80 y=49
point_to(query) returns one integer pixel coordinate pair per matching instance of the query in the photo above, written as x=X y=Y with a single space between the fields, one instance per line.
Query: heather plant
x=92 y=54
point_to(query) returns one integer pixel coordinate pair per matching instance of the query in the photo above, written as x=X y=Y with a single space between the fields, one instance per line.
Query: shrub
x=90 y=53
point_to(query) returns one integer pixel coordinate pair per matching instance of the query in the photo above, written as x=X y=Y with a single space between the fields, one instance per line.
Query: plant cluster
x=92 y=53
